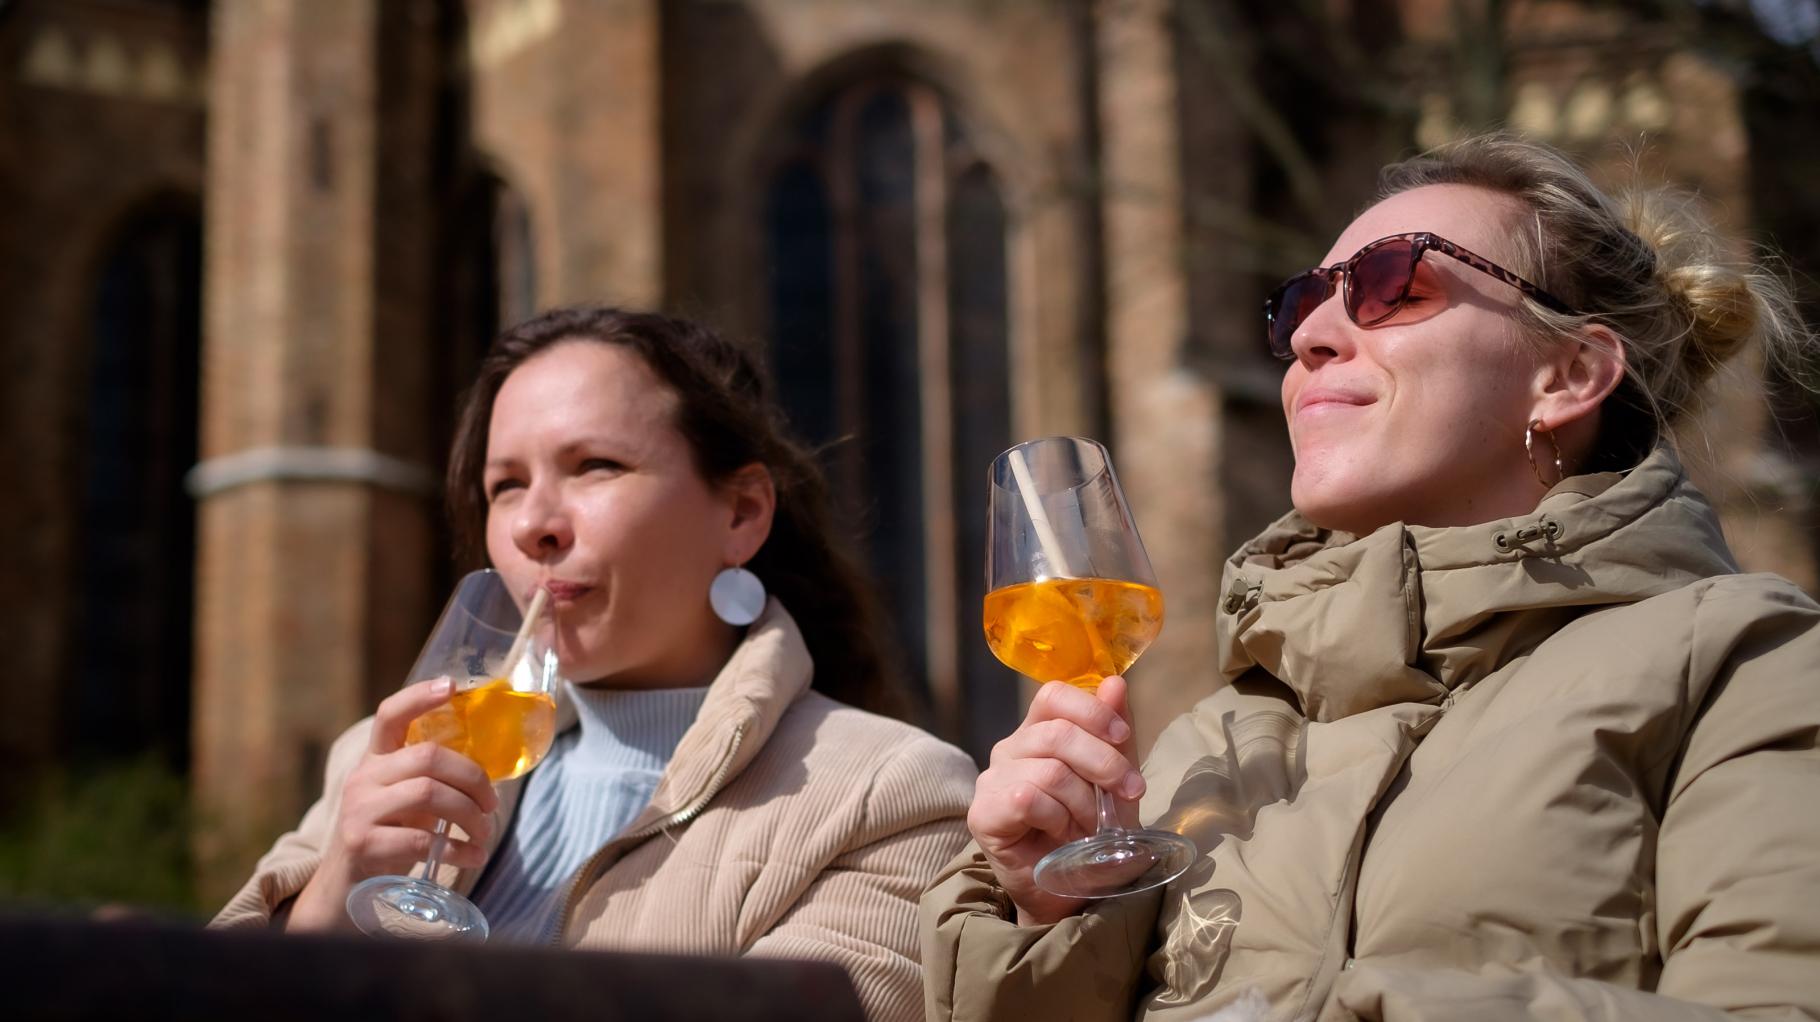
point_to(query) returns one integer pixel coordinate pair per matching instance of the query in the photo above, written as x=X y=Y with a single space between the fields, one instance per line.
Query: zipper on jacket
x=586 y=876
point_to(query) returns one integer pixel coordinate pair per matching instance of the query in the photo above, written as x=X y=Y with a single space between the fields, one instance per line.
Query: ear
x=752 y=497
x=1575 y=379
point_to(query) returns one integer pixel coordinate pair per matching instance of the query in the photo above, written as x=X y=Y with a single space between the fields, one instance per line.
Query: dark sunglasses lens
x=1380 y=282
x=1294 y=303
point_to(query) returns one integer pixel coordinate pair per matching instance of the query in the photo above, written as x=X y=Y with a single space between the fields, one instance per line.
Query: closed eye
x=1418 y=305
x=1425 y=288
x=602 y=465
x=500 y=486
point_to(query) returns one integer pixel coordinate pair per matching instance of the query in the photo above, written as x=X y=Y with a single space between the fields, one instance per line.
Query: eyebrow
x=616 y=447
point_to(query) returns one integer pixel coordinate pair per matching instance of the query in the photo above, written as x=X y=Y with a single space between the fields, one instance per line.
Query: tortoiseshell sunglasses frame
x=1419 y=242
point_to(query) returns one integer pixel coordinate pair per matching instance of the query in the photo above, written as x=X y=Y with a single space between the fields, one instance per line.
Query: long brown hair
x=726 y=413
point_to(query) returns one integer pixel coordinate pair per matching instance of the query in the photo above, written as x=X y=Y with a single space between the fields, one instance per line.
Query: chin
x=1314 y=498
x=582 y=661
x=1339 y=492
x=1331 y=511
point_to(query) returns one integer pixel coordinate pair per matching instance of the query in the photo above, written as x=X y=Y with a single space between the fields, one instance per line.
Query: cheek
x=1294 y=378
x=500 y=548
x=1463 y=411
x=655 y=540
x=605 y=538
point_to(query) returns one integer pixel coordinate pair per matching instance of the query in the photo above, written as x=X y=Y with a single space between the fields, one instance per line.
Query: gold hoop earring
x=1529 y=448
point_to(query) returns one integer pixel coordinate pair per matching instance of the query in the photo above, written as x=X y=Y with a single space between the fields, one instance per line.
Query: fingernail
x=1133 y=785
x=1119 y=730
x=442 y=686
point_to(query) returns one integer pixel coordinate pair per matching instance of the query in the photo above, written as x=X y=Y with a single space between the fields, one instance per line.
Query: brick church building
x=251 y=251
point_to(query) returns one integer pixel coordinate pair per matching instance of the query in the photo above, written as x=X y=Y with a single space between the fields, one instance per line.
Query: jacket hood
x=1408 y=613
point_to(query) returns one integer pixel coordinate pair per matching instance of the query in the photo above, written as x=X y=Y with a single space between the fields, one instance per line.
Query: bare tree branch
x=1274 y=133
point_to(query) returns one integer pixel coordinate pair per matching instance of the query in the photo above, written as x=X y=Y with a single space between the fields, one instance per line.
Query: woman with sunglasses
x=1505 y=733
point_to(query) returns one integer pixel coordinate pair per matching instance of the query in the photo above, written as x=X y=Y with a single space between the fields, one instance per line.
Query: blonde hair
x=1647 y=263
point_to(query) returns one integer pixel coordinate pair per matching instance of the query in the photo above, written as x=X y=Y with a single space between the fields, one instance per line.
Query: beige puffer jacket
x=1562 y=766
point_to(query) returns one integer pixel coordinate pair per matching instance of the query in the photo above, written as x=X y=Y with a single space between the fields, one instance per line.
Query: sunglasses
x=1377 y=280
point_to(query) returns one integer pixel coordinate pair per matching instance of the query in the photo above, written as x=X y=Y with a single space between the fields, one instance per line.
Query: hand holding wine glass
x=1071 y=597
x=1038 y=792
x=389 y=808
x=497 y=717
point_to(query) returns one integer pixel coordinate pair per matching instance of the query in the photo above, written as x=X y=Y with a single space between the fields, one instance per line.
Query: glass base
x=414 y=910
x=1115 y=862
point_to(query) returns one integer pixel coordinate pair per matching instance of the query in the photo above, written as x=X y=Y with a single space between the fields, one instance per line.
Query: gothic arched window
x=885 y=246
x=130 y=640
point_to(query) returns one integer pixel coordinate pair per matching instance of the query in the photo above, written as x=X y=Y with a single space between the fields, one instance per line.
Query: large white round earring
x=737 y=596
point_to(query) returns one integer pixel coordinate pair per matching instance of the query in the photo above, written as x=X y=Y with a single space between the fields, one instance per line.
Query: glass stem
x=441 y=841
x=1109 y=816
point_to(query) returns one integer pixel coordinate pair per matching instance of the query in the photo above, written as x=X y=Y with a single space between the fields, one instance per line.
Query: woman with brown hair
x=718 y=785
x=1505 y=734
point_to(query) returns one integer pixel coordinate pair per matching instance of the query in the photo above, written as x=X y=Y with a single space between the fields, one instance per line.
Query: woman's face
x=594 y=494
x=1419 y=419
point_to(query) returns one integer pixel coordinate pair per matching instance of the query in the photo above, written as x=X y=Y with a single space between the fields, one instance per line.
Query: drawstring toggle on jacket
x=1545 y=528
x=1242 y=595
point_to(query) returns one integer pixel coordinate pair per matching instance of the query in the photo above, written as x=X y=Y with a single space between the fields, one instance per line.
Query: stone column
x=316 y=492
x=1165 y=416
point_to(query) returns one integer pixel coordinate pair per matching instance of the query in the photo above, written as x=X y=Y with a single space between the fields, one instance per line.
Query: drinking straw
x=524 y=632
x=1039 y=518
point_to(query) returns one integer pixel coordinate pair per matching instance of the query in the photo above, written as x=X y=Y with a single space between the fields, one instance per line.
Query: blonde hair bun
x=1702 y=273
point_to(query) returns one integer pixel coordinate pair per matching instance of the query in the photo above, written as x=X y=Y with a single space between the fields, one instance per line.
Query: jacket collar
x=767 y=672
x=1408 y=613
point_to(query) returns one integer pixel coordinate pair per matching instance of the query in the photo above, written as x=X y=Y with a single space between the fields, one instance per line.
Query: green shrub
x=108 y=834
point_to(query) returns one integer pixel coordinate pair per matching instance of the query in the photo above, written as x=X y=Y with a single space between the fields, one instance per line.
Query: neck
x=1518 y=497
x=1508 y=494
x=693 y=661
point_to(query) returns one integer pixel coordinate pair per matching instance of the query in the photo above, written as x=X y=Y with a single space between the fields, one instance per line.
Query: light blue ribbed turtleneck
x=598 y=776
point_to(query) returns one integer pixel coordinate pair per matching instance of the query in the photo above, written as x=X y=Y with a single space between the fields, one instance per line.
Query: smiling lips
x=1328 y=397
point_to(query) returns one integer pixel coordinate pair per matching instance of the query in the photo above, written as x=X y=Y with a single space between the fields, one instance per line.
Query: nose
x=542 y=526
x=1325 y=335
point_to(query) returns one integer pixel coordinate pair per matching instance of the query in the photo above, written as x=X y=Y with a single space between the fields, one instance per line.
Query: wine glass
x=1070 y=596
x=502 y=716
